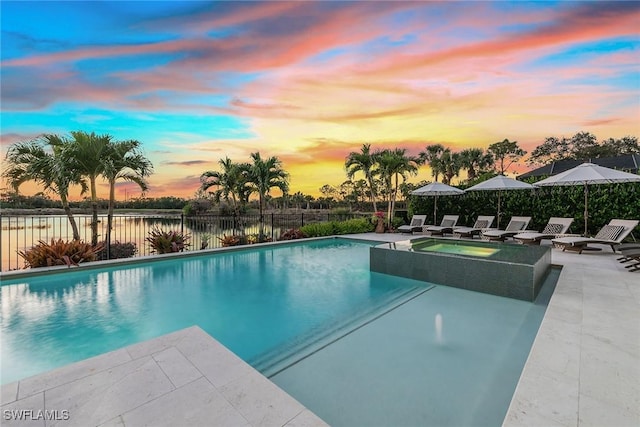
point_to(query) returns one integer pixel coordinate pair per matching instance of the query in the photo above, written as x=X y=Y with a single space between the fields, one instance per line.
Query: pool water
x=458 y=249
x=261 y=303
x=447 y=357
x=355 y=347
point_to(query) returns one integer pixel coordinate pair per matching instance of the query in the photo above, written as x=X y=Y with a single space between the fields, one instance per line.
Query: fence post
x=272 y=225
x=302 y=219
x=182 y=223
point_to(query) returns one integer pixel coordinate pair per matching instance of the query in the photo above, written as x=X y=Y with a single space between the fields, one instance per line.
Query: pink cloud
x=580 y=24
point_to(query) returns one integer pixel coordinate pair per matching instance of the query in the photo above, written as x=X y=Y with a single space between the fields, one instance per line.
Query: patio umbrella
x=500 y=183
x=586 y=174
x=437 y=189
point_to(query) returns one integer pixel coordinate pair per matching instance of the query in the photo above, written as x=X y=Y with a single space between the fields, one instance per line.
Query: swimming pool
x=265 y=304
x=354 y=346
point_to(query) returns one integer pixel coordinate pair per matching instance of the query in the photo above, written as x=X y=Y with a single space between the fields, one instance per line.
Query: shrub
x=232 y=240
x=292 y=234
x=164 y=242
x=355 y=225
x=396 y=222
x=235 y=240
x=255 y=238
x=59 y=253
x=197 y=206
x=118 y=250
x=377 y=216
x=340 y=211
x=204 y=241
x=317 y=229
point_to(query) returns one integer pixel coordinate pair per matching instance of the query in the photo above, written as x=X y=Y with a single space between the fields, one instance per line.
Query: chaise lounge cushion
x=416 y=222
x=481 y=223
x=515 y=226
x=447 y=223
x=553 y=229
x=609 y=232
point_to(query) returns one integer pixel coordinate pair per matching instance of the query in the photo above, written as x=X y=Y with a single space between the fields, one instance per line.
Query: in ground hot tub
x=508 y=270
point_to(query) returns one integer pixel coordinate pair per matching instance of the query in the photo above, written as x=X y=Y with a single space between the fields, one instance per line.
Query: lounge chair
x=515 y=226
x=635 y=257
x=482 y=223
x=417 y=221
x=611 y=234
x=554 y=228
x=446 y=226
x=631 y=254
x=621 y=247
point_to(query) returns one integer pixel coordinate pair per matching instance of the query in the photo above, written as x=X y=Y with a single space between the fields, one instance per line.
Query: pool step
x=275 y=361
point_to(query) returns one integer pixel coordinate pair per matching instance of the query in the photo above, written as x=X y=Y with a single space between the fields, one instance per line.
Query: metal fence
x=19 y=233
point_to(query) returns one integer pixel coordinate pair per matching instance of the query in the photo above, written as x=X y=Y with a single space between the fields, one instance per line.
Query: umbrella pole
x=499 y=214
x=586 y=210
x=435 y=210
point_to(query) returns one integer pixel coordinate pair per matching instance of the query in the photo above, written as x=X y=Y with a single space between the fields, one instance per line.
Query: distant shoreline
x=76 y=211
x=85 y=211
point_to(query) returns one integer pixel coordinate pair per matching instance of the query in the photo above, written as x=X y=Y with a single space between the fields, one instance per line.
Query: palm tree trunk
x=94 y=213
x=261 y=231
x=112 y=201
x=393 y=202
x=373 y=196
x=72 y=220
x=389 y=196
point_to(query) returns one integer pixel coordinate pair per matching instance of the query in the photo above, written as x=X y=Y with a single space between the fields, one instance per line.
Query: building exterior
x=628 y=163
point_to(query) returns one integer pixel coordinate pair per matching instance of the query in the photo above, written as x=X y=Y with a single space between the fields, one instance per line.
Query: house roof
x=628 y=163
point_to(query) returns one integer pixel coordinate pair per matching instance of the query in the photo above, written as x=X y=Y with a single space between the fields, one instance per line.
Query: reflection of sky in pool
x=451 y=248
x=258 y=302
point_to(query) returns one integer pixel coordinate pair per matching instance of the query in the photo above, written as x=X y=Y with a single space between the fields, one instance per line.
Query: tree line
x=57 y=162
x=386 y=171
x=445 y=164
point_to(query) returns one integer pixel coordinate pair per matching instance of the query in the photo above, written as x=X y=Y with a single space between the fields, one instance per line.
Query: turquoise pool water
x=262 y=304
x=449 y=248
x=355 y=347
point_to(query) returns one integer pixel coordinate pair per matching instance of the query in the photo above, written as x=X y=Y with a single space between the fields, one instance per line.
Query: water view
x=22 y=232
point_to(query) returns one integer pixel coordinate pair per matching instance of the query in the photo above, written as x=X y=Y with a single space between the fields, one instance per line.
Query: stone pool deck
x=181 y=379
x=583 y=369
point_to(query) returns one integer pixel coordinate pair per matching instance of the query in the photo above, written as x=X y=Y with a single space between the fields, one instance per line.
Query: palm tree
x=393 y=164
x=432 y=156
x=42 y=160
x=297 y=199
x=308 y=198
x=86 y=152
x=263 y=175
x=123 y=161
x=474 y=160
x=364 y=162
x=450 y=164
x=230 y=182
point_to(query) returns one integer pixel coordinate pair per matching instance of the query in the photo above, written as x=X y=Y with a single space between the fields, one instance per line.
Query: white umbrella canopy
x=437 y=189
x=586 y=174
x=500 y=183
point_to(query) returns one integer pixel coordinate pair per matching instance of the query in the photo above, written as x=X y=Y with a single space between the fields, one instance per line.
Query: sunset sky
x=310 y=82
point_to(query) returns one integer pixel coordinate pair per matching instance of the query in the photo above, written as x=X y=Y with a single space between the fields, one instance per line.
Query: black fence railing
x=19 y=233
